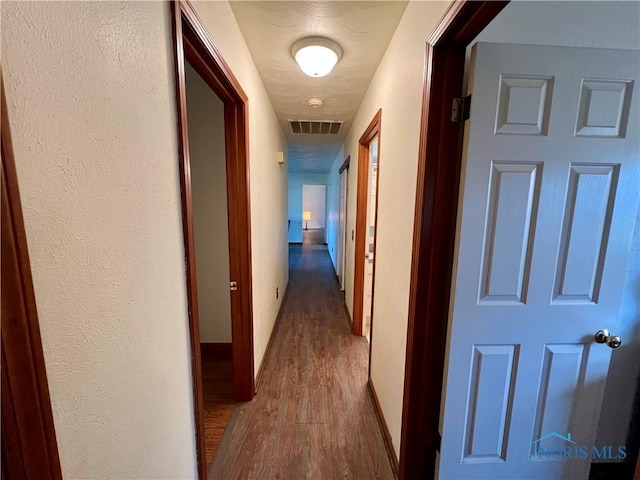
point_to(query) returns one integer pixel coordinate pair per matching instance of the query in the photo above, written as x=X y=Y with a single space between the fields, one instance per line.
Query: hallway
x=313 y=416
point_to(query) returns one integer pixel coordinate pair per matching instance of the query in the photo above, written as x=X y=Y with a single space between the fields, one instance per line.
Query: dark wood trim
x=216 y=350
x=345 y=164
x=434 y=231
x=192 y=43
x=219 y=75
x=29 y=446
x=188 y=234
x=608 y=470
x=386 y=435
x=361 y=218
x=276 y=324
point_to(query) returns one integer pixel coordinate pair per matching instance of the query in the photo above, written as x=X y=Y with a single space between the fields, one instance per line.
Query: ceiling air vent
x=314 y=127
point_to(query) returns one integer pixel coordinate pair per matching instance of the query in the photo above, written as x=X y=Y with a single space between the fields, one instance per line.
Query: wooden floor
x=217 y=384
x=313 y=236
x=313 y=417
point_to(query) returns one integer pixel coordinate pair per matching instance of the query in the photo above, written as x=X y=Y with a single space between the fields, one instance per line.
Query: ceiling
x=362 y=28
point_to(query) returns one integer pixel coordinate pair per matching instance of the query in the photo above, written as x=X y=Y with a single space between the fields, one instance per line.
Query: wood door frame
x=369 y=134
x=439 y=160
x=192 y=43
x=29 y=445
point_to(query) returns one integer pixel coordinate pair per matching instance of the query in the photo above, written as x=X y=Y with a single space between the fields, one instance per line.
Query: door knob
x=612 y=341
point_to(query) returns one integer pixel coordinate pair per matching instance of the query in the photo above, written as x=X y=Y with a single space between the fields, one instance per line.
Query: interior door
x=548 y=196
x=342 y=249
x=371 y=236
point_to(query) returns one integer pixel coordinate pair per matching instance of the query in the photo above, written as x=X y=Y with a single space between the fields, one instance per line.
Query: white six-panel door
x=549 y=195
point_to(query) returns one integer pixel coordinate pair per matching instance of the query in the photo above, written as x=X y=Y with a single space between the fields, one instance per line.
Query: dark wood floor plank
x=217 y=386
x=312 y=417
x=314 y=236
x=306 y=451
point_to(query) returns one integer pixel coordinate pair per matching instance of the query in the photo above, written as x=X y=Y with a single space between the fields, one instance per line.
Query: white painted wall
x=314 y=199
x=268 y=179
x=205 y=118
x=91 y=101
x=397 y=89
x=597 y=24
x=296 y=181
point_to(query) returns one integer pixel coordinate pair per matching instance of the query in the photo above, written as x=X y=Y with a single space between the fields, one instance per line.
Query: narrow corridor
x=313 y=416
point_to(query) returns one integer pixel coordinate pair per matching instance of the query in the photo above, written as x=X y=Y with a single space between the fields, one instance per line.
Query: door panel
x=489 y=408
x=562 y=373
x=513 y=197
x=587 y=218
x=549 y=185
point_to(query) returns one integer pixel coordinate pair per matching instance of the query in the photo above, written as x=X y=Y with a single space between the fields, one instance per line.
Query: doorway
x=366 y=218
x=314 y=200
x=549 y=267
x=194 y=47
x=205 y=115
x=342 y=233
x=580 y=106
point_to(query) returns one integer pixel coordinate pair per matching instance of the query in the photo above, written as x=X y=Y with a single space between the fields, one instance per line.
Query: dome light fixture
x=316 y=56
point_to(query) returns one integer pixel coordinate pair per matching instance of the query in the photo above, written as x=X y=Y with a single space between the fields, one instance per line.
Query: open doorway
x=342 y=234
x=550 y=236
x=543 y=238
x=197 y=59
x=205 y=116
x=314 y=199
x=366 y=217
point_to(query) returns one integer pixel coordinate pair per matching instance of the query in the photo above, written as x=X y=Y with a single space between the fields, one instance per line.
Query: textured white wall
x=92 y=108
x=91 y=101
x=397 y=89
x=268 y=179
x=205 y=118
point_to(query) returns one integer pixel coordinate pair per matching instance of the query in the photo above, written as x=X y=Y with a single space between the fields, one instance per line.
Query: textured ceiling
x=362 y=28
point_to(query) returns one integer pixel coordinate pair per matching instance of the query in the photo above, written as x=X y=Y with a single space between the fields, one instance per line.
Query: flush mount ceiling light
x=316 y=56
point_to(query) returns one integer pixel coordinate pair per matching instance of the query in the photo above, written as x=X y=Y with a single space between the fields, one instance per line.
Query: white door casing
x=548 y=197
